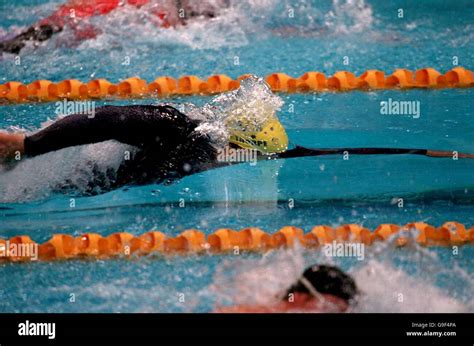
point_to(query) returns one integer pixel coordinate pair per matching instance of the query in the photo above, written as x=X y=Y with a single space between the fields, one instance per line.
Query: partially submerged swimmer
x=75 y=13
x=320 y=288
x=167 y=143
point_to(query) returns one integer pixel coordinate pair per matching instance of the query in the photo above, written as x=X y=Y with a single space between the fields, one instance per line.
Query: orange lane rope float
x=135 y=87
x=122 y=244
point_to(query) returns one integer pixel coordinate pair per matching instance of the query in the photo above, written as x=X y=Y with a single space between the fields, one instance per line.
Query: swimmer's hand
x=11 y=146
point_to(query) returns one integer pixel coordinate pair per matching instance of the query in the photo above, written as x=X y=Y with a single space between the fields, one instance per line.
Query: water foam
x=350 y=16
x=389 y=289
x=69 y=169
x=129 y=27
x=256 y=281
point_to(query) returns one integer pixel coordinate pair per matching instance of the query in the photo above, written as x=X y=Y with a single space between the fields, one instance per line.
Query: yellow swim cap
x=270 y=138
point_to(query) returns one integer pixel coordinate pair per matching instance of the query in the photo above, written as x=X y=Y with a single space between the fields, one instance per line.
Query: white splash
x=259 y=281
x=349 y=16
x=384 y=287
x=387 y=289
x=128 y=27
x=37 y=177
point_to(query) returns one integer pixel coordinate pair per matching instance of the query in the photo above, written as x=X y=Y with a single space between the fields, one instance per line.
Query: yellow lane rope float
x=122 y=244
x=135 y=87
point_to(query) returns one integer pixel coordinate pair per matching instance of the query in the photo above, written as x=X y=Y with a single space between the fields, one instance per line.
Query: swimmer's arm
x=11 y=144
x=155 y=127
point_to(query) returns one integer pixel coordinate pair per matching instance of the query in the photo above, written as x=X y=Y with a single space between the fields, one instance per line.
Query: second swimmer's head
x=326 y=280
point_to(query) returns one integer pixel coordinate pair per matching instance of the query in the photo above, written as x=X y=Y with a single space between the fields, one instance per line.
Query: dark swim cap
x=327 y=280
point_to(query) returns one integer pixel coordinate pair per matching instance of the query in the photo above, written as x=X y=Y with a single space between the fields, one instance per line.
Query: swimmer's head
x=246 y=117
x=326 y=280
x=268 y=138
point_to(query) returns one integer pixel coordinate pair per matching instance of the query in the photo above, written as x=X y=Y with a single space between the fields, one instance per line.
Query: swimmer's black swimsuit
x=167 y=145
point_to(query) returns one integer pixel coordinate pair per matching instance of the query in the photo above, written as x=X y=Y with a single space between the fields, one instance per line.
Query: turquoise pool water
x=326 y=190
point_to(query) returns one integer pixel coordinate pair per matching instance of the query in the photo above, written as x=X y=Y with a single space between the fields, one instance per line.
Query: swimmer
x=75 y=14
x=320 y=288
x=168 y=144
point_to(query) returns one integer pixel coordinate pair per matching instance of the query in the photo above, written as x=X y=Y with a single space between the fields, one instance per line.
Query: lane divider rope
x=135 y=87
x=123 y=244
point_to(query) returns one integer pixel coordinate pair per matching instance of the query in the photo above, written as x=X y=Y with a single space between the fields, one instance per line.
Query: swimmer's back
x=168 y=147
x=143 y=126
